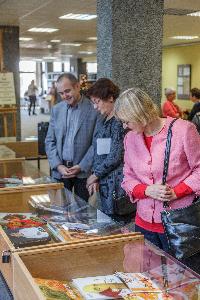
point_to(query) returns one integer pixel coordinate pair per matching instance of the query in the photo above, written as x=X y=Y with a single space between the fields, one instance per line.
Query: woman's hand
x=93 y=188
x=160 y=192
x=92 y=179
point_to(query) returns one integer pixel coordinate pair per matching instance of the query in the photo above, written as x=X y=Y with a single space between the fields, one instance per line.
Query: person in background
x=144 y=162
x=195 y=98
x=107 y=145
x=53 y=93
x=196 y=121
x=169 y=108
x=32 y=89
x=69 y=136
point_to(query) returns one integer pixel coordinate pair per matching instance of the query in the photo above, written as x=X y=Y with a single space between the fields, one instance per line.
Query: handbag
x=182 y=226
x=122 y=205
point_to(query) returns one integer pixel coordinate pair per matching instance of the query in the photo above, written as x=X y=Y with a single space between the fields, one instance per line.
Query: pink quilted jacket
x=142 y=166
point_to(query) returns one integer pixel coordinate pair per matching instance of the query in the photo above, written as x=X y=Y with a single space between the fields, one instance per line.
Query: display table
x=21 y=148
x=87 y=268
x=77 y=211
x=6 y=153
x=18 y=175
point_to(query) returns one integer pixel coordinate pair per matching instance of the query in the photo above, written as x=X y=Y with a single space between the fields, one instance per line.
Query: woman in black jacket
x=107 y=145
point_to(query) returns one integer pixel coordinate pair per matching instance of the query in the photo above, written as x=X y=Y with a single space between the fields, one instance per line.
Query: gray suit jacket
x=82 y=141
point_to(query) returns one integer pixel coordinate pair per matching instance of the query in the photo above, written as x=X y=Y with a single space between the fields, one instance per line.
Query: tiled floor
x=29 y=123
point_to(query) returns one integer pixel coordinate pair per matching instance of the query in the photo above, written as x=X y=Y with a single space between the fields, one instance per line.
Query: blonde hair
x=134 y=105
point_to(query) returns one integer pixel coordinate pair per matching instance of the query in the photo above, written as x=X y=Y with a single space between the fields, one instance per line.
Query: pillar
x=10 y=62
x=129 y=43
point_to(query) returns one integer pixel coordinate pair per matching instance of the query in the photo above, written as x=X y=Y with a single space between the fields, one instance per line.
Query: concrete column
x=129 y=43
x=10 y=59
x=39 y=75
x=74 y=66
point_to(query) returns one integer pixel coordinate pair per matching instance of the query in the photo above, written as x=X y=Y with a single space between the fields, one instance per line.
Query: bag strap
x=166 y=159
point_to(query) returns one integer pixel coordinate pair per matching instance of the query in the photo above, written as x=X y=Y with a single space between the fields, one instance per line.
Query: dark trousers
x=158 y=239
x=32 y=103
x=79 y=185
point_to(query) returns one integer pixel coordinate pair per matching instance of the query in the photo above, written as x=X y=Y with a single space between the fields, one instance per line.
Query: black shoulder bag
x=122 y=205
x=182 y=226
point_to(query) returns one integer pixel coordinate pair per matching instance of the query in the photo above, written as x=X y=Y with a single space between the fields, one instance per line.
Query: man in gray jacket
x=69 y=136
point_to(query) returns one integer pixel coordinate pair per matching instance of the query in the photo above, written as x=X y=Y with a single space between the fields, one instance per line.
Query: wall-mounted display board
x=7 y=89
x=183 y=81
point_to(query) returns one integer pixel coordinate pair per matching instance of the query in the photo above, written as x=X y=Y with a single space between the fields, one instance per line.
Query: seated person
x=195 y=98
x=169 y=108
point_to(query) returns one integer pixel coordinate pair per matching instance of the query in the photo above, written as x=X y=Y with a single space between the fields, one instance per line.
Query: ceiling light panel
x=55 y=41
x=37 y=29
x=85 y=52
x=92 y=38
x=25 y=39
x=71 y=44
x=81 y=17
x=184 y=37
x=49 y=57
x=194 y=14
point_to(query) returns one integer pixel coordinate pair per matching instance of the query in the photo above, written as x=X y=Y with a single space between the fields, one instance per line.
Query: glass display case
x=47 y=218
x=18 y=173
x=123 y=267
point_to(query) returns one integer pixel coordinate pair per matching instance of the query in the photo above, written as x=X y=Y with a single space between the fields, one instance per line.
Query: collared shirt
x=73 y=115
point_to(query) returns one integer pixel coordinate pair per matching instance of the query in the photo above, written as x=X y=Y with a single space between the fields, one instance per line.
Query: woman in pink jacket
x=144 y=162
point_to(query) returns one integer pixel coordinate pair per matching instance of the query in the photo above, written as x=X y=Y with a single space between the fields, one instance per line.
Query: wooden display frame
x=18 y=165
x=27 y=149
x=53 y=260
x=5 y=112
x=9 y=160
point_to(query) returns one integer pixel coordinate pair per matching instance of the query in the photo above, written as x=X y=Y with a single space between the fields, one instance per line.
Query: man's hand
x=160 y=192
x=72 y=172
x=92 y=179
x=63 y=170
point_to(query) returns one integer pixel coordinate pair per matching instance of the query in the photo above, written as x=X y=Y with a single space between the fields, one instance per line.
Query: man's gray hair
x=69 y=76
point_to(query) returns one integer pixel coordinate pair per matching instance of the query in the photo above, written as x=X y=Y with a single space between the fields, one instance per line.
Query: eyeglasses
x=96 y=100
x=125 y=122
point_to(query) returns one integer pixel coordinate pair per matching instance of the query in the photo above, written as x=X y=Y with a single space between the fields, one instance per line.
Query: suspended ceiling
x=46 y=13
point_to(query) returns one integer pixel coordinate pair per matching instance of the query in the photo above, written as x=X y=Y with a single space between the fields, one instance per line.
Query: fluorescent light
x=85 y=52
x=71 y=44
x=49 y=46
x=55 y=41
x=81 y=17
x=194 y=14
x=25 y=39
x=92 y=38
x=184 y=37
x=37 y=29
x=49 y=57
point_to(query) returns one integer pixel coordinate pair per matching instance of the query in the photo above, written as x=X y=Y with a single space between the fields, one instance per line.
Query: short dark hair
x=195 y=92
x=104 y=88
x=69 y=76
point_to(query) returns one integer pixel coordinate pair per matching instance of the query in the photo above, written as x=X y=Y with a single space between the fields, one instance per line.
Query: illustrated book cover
x=100 y=287
x=59 y=290
x=25 y=237
x=20 y=220
x=139 y=282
